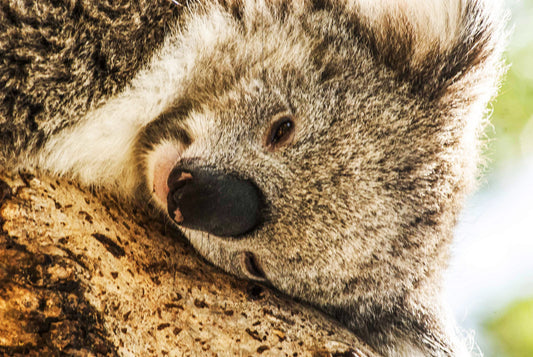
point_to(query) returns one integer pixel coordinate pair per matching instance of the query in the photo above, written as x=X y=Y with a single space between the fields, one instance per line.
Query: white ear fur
x=432 y=20
x=434 y=24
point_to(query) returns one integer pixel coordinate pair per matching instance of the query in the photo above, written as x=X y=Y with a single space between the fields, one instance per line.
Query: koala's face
x=292 y=180
x=314 y=175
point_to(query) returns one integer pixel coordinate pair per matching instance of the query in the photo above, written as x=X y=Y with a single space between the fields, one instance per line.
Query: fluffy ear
x=433 y=44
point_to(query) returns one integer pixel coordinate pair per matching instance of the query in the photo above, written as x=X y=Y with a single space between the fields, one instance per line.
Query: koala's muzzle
x=219 y=204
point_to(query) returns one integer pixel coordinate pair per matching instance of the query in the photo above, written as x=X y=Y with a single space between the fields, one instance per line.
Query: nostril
x=177 y=179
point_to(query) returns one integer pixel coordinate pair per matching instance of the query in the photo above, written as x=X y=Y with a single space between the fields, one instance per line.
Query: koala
x=323 y=147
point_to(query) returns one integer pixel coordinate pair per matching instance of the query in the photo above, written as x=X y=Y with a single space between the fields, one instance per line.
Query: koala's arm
x=60 y=61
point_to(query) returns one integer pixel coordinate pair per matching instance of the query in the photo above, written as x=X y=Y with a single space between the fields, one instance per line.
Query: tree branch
x=84 y=276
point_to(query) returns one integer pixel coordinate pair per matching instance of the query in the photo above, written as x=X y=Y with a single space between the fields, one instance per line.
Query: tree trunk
x=82 y=275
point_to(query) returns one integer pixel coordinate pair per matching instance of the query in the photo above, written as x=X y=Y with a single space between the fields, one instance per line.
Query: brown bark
x=81 y=275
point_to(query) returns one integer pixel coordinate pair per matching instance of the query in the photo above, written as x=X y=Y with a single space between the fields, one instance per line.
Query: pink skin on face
x=166 y=158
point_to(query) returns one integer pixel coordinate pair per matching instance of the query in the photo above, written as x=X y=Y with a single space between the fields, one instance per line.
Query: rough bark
x=83 y=275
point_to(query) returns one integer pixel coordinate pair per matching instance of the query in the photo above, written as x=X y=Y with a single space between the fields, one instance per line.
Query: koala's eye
x=281 y=132
x=252 y=267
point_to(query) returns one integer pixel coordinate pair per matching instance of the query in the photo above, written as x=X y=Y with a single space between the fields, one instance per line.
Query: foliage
x=512 y=330
x=512 y=136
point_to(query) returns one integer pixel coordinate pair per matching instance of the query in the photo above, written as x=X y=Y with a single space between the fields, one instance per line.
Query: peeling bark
x=82 y=275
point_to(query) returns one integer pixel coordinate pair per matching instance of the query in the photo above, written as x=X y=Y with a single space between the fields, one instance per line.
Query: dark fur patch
x=167 y=126
x=385 y=321
x=319 y=5
x=5 y=192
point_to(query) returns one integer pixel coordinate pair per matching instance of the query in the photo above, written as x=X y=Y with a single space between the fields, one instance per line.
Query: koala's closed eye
x=252 y=267
x=281 y=132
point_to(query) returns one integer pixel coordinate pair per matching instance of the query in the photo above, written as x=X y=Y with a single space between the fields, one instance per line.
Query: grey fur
x=361 y=205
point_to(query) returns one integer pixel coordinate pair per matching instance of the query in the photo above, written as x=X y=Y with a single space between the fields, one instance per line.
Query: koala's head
x=325 y=151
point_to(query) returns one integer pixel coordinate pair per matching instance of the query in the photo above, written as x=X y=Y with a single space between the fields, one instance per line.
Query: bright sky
x=492 y=261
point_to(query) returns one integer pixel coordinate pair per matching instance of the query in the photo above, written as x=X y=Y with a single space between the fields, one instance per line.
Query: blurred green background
x=491 y=281
x=512 y=136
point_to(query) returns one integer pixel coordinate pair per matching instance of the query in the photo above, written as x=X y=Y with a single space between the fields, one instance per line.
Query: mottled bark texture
x=81 y=275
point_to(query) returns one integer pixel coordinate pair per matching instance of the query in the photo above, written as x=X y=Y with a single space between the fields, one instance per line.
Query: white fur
x=98 y=151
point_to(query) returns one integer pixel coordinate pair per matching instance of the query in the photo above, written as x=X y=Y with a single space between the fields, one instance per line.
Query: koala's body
x=323 y=147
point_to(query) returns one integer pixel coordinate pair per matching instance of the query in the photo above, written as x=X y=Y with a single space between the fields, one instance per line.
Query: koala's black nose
x=222 y=205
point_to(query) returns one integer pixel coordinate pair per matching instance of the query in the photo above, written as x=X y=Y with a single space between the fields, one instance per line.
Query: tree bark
x=85 y=275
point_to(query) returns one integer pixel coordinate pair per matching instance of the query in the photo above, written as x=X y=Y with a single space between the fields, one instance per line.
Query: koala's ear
x=433 y=44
